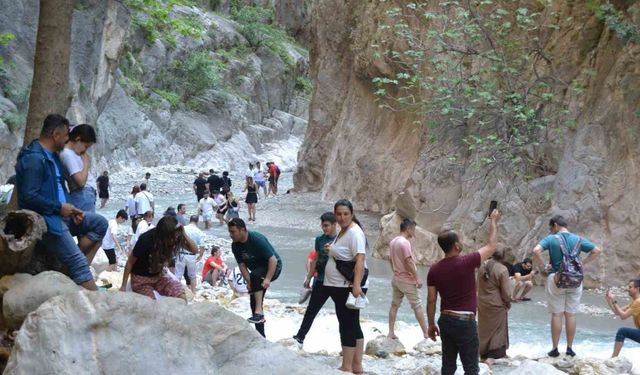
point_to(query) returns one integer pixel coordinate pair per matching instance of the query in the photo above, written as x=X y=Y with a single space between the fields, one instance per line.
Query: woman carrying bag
x=349 y=246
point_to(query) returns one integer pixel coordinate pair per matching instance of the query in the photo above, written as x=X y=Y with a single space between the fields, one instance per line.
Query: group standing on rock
x=479 y=282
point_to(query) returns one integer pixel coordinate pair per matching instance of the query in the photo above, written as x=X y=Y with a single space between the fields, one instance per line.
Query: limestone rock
x=425 y=244
x=100 y=262
x=530 y=367
x=428 y=347
x=382 y=346
x=81 y=333
x=27 y=295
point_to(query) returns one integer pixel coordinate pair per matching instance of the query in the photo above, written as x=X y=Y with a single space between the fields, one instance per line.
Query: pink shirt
x=399 y=250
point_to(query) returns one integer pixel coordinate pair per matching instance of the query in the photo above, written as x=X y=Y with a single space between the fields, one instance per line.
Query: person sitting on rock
x=214 y=269
x=521 y=276
x=633 y=309
x=41 y=188
x=148 y=261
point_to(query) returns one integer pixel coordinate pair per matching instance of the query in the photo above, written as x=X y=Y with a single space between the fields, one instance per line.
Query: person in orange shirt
x=633 y=309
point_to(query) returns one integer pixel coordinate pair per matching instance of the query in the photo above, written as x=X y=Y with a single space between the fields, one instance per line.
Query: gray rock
x=382 y=346
x=82 y=332
x=529 y=367
x=28 y=293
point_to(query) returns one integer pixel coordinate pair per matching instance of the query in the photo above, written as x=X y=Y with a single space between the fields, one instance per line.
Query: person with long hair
x=76 y=162
x=252 y=197
x=349 y=245
x=152 y=253
x=131 y=202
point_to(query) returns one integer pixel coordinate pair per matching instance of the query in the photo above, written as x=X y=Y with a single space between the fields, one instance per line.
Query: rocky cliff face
x=355 y=149
x=256 y=108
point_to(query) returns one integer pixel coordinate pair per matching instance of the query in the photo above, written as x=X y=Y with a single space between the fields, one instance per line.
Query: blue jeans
x=65 y=249
x=459 y=337
x=84 y=199
x=629 y=333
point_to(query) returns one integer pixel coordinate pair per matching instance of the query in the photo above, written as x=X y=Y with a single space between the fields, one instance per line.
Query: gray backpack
x=570 y=275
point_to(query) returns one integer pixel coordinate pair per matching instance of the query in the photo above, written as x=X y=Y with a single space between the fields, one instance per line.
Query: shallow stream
x=291 y=222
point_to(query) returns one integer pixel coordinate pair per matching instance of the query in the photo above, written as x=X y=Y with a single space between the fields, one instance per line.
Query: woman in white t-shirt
x=349 y=245
x=76 y=162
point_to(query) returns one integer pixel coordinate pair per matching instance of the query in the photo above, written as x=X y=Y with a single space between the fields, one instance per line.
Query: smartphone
x=492 y=206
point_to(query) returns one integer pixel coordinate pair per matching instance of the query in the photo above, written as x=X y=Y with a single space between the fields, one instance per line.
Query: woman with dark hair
x=131 y=201
x=252 y=197
x=152 y=253
x=76 y=162
x=349 y=245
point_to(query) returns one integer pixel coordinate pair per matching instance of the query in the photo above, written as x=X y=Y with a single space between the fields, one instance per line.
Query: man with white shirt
x=143 y=226
x=110 y=240
x=144 y=200
x=258 y=177
x=206 y=208
x=187 y=259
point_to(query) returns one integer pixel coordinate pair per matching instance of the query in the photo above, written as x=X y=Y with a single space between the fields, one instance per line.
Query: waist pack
x=346 y=269
x=570 y=274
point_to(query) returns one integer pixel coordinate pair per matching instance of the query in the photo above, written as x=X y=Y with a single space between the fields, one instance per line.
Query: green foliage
x=304 y=85
x=193 y=75
x=258 y=25
x=14 y=120
x=5 y=38
x=615 y=20
x=153 y=17
x=170 y=96
x=468 y=74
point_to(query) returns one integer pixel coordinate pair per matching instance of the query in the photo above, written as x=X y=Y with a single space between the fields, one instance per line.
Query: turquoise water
x=291 y=222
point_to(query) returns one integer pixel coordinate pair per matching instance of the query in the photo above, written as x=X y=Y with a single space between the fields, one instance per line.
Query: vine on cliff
x=478 y=68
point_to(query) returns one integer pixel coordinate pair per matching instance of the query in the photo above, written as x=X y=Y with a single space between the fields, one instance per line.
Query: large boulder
x=530 y=367
x=428 y=347
x=382 y=346
x=112 y=333
x=611 y=366
x=29 y=292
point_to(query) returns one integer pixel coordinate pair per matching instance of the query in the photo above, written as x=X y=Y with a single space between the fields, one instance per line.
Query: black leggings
x=348 y=319
x=257 y=276
x=319 y=295
x=252 y=301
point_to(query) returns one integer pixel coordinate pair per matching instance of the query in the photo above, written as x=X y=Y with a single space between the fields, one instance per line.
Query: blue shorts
x=84 y=199
x=65 y=249
x=261 y=183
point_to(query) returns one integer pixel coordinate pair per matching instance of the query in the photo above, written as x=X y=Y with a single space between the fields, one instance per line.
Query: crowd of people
x=476 y=290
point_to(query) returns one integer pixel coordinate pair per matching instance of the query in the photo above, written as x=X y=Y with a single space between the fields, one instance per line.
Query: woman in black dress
x=252 y=197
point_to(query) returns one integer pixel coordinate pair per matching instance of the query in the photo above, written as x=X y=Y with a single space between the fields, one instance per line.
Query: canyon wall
x=355 y=149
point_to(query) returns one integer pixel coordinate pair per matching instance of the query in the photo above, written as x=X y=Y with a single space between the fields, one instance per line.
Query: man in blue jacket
x=41 y=188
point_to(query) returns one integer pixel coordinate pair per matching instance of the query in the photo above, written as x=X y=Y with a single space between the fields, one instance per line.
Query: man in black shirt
x=522 y=279
x=200 y=186
x=214 y=181
x=103 y=188
x=259 y=264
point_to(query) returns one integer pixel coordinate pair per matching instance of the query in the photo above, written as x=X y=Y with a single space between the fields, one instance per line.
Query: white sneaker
x=361 y=302
x=351 y=302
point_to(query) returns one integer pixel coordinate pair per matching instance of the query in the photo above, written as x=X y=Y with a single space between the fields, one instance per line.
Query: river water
x=291 y=222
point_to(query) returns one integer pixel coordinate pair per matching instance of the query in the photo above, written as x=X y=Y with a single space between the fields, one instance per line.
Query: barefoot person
x=630 y=310
x=152 y=253
x=453 y=278
x=259 y=263
x=562 y=300
x=252 y=197
x=349 y=245
x=319 y=294
x=41 y=188
x=494 y=302
x=110 y=241
x=406 y=281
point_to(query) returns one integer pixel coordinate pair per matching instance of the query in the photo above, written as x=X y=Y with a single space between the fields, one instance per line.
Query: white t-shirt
x=107 y=241
x=258 y=176
x=219 y=199
x=346 y=247
x=131 y=205
x=195 y=234
x=143 y=200
x=206 y=205
x=238 y=282
x=143 y=226
x=73 y=163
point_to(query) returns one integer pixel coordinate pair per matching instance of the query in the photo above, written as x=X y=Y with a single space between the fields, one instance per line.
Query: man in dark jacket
x=41 y=188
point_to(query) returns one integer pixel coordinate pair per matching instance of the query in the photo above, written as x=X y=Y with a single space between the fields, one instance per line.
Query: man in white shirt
x=206 y=208
x=143 y=226
x=258 y=177
x=187 y=259
x=144 y=200
x=110 y=240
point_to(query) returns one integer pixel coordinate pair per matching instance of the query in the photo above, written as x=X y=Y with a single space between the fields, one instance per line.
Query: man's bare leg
x=258 y=297
x=617 y=347
x=556 y=329
x=393 y=313
x=570 y=322
x=419 y=313
x=89 y=247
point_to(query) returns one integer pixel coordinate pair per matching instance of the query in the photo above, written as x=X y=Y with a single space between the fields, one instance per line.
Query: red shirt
x=207 y=265
x=311 y=257
x=455 y=281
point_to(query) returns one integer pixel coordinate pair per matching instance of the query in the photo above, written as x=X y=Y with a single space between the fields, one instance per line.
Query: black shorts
x=111 y=255
x=103 y=194
x=257 y=277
